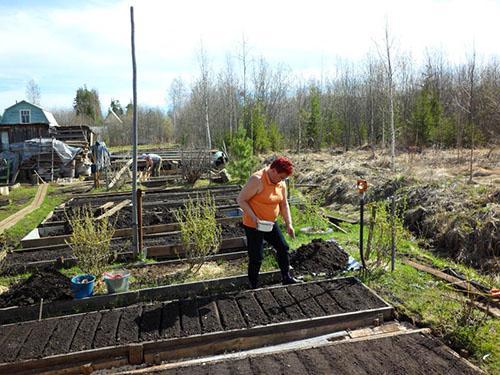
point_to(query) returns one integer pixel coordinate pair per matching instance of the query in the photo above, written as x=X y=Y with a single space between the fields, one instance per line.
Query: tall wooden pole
x=135 y=236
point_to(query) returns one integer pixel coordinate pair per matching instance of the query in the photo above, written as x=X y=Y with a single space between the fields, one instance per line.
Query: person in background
x=153 y=163
x=264 y=198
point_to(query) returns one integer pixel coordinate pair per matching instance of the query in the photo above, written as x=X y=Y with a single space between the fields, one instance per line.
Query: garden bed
x=201 y=325
x=400 y=353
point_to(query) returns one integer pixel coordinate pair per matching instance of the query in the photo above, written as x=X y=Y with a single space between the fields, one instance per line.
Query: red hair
x=282 y=165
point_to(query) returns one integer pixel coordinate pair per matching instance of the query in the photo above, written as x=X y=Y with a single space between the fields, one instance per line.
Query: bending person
x=263 y=198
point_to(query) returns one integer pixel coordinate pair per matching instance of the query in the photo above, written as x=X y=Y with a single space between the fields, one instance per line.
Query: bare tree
x=33 y=92
x=204 y=87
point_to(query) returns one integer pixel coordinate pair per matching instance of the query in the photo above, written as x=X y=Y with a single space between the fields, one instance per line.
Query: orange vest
x=265 y=204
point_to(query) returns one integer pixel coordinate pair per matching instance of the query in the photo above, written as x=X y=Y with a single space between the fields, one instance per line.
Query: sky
x=65 y=44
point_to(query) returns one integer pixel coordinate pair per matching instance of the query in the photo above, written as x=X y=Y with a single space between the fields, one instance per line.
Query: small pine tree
x=242 y=159
x=314 y=121
x=275 y=137
x=260 y=139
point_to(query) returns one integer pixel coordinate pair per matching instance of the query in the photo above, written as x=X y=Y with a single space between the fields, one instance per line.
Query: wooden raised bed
x=210 y=325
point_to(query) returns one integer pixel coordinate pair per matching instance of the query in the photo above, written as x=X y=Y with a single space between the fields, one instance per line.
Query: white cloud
x=89 y=43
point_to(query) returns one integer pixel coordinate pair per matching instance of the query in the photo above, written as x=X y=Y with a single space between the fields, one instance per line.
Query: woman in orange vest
x=262 y=199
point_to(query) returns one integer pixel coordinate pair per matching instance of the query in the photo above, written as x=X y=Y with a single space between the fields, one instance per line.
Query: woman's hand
x=290 y=231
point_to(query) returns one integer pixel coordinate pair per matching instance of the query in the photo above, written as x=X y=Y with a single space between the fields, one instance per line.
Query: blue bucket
x=82 y=285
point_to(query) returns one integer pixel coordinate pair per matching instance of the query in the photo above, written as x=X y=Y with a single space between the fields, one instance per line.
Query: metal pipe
x=361 y=223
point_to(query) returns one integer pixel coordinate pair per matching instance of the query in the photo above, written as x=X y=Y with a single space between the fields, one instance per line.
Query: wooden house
x=24 y=121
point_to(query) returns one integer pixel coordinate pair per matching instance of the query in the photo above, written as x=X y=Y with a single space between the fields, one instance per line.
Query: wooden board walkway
x=19 y=215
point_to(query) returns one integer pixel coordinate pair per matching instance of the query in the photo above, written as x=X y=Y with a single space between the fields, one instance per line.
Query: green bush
x=200 y=232
x=90 y=241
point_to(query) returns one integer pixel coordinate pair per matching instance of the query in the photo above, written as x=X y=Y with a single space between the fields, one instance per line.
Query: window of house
x=25 y=116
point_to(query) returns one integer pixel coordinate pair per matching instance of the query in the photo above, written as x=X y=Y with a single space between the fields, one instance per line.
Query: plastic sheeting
x=19 y=152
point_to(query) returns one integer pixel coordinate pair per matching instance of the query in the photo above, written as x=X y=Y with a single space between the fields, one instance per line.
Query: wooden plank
x=123 y=232
x=337 y=219
x=117 y=176
x=460 y=285
x=177 y=249
x=115 y=209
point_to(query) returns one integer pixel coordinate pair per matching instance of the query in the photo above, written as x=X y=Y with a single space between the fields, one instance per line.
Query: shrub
x=200 y=232
x=309 y=213
x=193 y=166
x=379 y=231
x=90 y=241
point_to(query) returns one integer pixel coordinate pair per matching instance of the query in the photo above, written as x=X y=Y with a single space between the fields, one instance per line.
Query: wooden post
x=139 y=221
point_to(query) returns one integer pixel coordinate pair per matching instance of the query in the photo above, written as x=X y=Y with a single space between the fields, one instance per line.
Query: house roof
x=48 y=116
x=112 y=115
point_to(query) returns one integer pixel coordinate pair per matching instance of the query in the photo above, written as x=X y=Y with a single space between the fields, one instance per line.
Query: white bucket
x=265 y=226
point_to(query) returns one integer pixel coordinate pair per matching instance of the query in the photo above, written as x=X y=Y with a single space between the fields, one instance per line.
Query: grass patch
x=33 y=219
x=19 y=199
x=431 y=302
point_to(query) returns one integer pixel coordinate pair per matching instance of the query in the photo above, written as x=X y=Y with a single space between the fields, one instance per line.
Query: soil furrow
x=209 y=315
x=306 y=301
x=190 y=320
x=288 y=303
x=230 y=313
x=106 y=330
x=85 y=333
x=36 y=341
x=128 y=328
x=327 y=303
x=150 y=322
x=251 y=310
x=61 y=339
x=14 y=342
x=274 y=311
x=171 y=320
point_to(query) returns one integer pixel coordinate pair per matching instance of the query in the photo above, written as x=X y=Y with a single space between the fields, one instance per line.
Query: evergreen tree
x=242 y=159
x=275 y=137
x=87 y=104
x=427 y=118
x=314 y=122
x=260 y=139
x=116 y=107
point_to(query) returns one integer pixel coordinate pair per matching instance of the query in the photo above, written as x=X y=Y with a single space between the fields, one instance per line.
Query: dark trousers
x=255 y=245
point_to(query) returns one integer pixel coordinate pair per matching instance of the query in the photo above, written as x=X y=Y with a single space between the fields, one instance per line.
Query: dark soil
x=128 y=329
x=171 y=320
x=415 y=353
x=230 y=314
x=60 y=341
x=190 y=320
x=37 y=340
x=150 y=322
x=251 y=310
x=209 y=315
x=319 y=256
x=274 y=311
x=50 y=285
x=105 y=334
x=84 y=335
x=291 y=307
x=191 y=316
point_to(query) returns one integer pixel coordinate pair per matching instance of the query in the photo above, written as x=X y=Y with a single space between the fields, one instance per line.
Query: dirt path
x=37 y=202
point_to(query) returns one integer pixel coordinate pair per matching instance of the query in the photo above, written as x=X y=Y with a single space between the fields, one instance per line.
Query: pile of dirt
x=320 y=256
x=50 y=285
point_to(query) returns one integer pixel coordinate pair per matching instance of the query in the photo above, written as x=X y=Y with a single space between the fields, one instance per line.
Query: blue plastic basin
x=82 y=285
